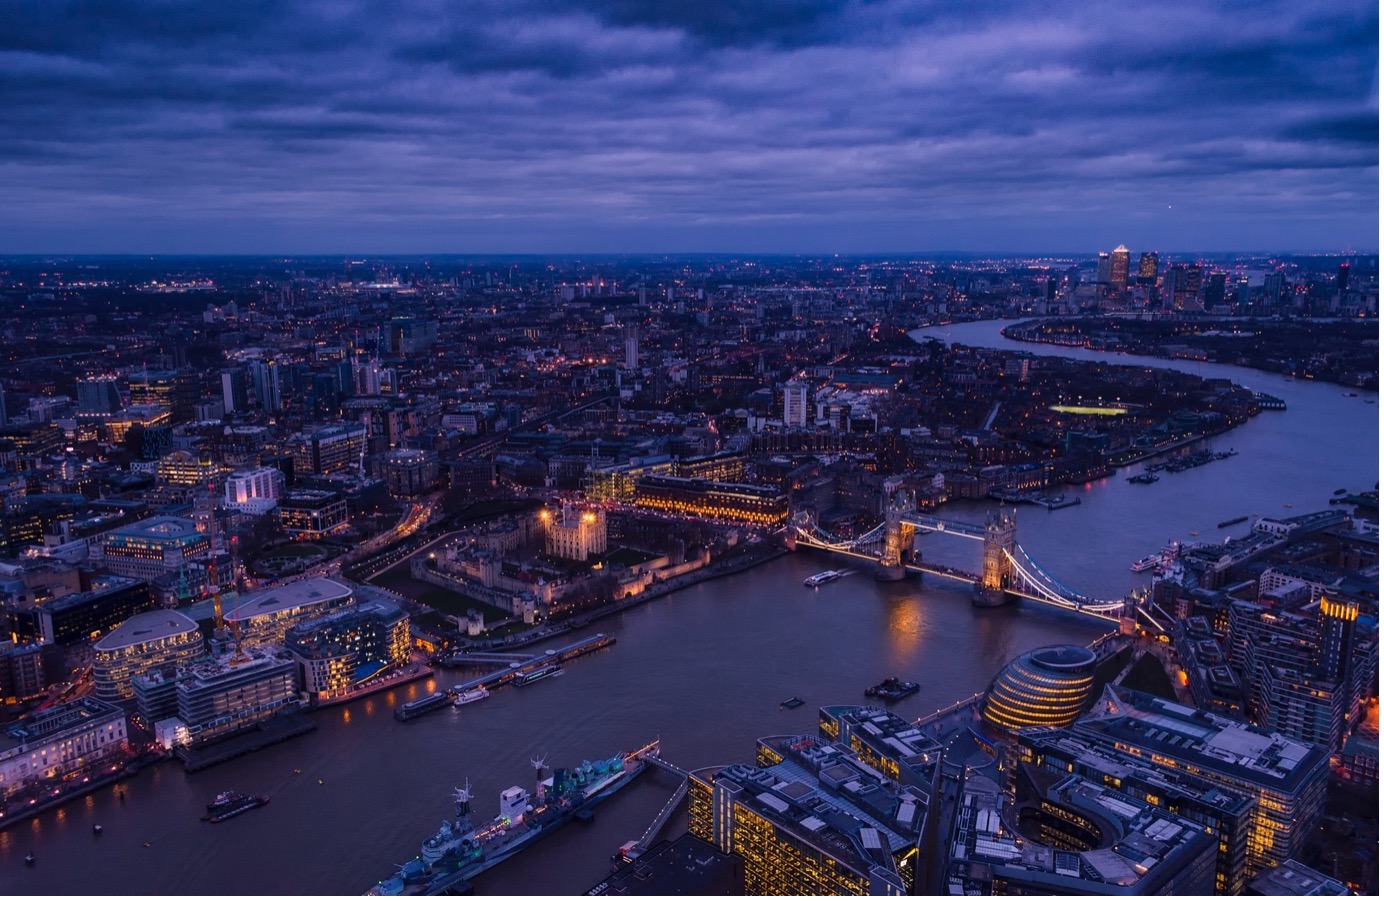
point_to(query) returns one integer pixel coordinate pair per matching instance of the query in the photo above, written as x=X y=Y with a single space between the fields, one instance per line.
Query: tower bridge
x=1007 y=570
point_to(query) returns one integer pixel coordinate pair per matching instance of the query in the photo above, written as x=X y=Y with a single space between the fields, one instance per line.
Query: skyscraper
x=795 y=405
x=1119 y=268
x=631 y=347
x=1343 y=278
x=1148 y=267
x=1104 y=268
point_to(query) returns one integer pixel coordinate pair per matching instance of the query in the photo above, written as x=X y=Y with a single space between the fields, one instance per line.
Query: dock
x=516 y=669
x=1036 y=498
x=271 y=732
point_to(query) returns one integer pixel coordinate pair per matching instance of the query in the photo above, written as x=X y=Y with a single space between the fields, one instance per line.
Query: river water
x=703 y=670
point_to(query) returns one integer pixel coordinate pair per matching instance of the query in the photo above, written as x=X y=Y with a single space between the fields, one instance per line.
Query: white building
x=44 y=747
x=255 y=490
x=795 y=405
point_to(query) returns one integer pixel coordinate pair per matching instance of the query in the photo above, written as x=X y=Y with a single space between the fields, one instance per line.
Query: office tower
x=234 y=396
x=1273 y=288
x=1215 y=289
x=255 y=490
x=811 y=819
x=97 y=397
x=1343 y=278
x=795 y=405
x=1228 y=815
x=1104 y=268
x=1186 y=286
x=631 y=347
x=1148 y=267
x=1285 y=777
x=1119 y=268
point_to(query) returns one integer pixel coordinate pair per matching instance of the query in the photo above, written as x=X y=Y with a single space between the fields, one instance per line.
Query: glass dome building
x=1048 y=686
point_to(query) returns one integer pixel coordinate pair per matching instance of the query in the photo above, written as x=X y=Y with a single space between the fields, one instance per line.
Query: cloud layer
x=663 y=125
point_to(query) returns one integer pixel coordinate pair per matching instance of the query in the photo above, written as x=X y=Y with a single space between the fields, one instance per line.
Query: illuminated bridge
x=1007 y=570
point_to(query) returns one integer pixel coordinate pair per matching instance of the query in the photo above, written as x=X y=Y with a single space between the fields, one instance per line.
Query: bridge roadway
x=1032 y=583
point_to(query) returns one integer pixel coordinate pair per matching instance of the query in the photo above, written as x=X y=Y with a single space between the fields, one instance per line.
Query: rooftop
x=1212 y=742
x=281 y=598
x=145 y=627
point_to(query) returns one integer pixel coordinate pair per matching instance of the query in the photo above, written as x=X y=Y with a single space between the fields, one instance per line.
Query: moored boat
x=479 y=693
x=461 y=849
x=232 y=804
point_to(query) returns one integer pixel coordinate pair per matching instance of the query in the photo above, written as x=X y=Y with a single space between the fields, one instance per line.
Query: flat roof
x=146 y=627
x=307 y=592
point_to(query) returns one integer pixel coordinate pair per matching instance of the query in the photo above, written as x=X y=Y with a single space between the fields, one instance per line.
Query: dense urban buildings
x=292 y=484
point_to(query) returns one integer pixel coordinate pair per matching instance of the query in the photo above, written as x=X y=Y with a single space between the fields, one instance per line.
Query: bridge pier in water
x=997 y=569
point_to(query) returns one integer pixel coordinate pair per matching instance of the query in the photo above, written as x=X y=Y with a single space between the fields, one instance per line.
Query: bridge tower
x=997 y=571
x=898 y=535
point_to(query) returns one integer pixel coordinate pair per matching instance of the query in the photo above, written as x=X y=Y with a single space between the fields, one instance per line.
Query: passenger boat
x=822 y=578
x=479 y=693
x=1144 y=564
x=543 y=672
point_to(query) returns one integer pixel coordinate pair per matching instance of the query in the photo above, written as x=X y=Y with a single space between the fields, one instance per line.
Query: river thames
x=703 y=669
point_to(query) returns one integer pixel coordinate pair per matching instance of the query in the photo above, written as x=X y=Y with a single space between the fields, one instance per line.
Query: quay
x=515 y=670
x=265 y=734
x=1037 y=498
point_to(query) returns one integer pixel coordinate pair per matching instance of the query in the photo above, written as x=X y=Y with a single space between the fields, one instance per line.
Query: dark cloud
x=779 y=125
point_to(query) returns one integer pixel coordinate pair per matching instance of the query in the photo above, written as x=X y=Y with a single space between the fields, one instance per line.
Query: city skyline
x=620 y=127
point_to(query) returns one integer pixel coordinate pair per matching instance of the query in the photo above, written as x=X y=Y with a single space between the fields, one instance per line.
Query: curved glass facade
x=1048 y=686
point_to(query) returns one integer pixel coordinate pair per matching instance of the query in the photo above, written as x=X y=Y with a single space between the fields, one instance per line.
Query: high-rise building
x=631 y=347
x=1119 y=268
x=1104 y=268
x=1186 y=286
x=97 y=398
x=1273 y=288
x=1343 y=278
x=1215 y=289
x=234 y=395
x=1148 y=267
x=795 y=405
x=254 y=490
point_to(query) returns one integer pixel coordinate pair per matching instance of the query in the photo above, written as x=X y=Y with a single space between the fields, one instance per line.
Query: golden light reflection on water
x=62 y=815
x=345 y=714
x=5 y=841
x=907 y=625
x=370 y=707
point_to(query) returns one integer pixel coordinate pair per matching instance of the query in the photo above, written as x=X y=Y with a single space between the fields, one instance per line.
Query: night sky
x=531 y=126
